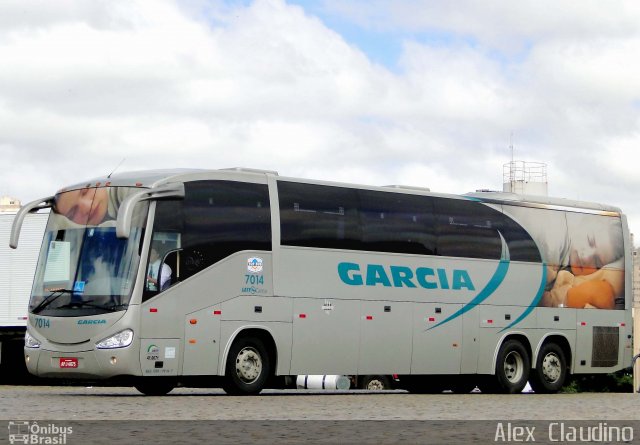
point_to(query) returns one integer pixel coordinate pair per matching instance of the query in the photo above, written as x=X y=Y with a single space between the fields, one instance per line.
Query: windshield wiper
x=89 y=303
x=50 y=299
x=117 y=307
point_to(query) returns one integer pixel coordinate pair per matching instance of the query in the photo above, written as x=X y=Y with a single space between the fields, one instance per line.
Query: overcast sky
x=426 y=93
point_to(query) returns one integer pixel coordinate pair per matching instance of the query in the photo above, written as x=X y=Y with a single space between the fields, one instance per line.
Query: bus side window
x=319 y=216
x=396 y=222
x=467 y=229
x=171 y=259
x=214 y=220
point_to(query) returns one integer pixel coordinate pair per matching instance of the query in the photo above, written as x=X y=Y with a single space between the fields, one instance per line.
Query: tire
x=512 y=369
x=155 y=386
x=247 y=367
x=375 y=382
x=551 y=370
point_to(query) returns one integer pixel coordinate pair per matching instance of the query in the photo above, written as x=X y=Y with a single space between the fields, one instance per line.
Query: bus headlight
x=30 y=342
x=120 y=340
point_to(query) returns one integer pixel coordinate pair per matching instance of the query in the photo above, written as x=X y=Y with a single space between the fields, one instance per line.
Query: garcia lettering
x=403 y=276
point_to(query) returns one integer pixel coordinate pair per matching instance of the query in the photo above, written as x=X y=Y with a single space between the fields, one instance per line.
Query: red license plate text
x=68 y=362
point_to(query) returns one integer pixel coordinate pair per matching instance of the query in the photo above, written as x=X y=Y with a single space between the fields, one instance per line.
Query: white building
x=525 y=178
x=636 y=277
x=9 y=204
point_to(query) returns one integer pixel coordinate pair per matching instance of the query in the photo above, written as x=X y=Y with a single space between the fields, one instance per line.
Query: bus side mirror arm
x=32 y=207
x=125 y=212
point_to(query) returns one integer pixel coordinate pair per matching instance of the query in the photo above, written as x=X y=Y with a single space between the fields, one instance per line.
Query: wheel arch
x=562 y=341
x=515 y=335
x=256 y=331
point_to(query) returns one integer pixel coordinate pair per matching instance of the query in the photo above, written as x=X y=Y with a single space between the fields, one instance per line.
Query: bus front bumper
x=95 y=364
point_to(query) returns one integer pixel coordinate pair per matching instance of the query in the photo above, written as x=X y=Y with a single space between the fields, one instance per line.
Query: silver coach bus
x=241 y=278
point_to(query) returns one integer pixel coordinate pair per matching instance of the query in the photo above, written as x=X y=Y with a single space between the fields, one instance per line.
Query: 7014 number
x=41 y=322
x=253 y=279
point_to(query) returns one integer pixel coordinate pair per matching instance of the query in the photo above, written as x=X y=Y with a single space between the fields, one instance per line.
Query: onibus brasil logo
x=34 y=433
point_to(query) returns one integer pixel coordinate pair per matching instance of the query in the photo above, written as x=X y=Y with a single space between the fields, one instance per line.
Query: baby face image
x=84 y=206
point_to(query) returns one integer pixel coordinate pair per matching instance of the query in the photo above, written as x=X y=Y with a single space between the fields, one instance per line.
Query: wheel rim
x=248 y=365
x=375 y=384
x=513 y=366
x=551 y=368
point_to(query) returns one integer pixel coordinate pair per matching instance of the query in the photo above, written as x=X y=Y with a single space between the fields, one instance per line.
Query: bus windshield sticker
x=58 y=260
x=78 y=287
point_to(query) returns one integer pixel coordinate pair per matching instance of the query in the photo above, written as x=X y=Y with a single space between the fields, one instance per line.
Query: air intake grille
x=606 y=340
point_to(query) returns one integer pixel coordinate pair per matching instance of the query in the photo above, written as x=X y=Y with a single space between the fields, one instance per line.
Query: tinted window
x=319 y=216
x=223 y=217
x=343 y=218
x=395 y=222
x=467 y=229
x=214 y=220
x=522 y=247
x=472 y=229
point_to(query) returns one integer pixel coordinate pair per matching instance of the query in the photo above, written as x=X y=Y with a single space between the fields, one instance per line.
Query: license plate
x=68 y=362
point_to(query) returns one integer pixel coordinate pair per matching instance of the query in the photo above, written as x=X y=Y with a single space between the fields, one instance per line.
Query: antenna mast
x=512 y=165
x=114 y=170
x=522 y=177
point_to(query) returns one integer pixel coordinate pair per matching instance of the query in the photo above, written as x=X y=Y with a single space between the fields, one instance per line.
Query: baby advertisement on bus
x=84 y=267
x=584 y=256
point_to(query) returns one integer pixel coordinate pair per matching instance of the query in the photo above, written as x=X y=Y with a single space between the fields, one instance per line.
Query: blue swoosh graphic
x=535 y=301
x=493 y=284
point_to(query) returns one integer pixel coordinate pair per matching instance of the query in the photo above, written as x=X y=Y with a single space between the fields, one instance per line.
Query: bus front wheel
x=550 y=371
x=247 y=367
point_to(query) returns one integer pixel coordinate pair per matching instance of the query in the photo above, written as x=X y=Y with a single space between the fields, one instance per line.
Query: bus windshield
x=84 y=269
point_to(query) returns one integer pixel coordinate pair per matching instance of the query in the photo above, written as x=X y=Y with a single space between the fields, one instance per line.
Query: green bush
x=621 y=381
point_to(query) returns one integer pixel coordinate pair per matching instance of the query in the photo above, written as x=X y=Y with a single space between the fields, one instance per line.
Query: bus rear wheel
x=375 y=382
x=550 y=371
x=512 y=369
x=247 y=367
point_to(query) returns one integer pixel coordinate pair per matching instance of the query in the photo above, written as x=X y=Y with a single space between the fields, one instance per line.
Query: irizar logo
x=92 y=321
x=401 y=276
x=254 y=265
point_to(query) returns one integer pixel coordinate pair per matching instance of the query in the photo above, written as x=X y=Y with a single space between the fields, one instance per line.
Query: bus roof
x=539 y=201
x=151 y=178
